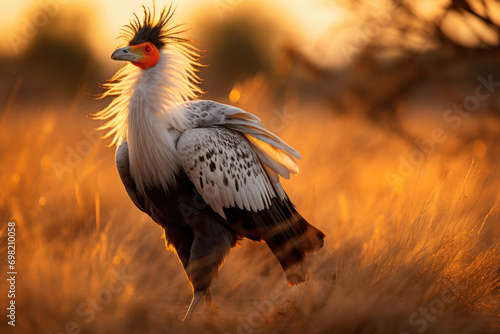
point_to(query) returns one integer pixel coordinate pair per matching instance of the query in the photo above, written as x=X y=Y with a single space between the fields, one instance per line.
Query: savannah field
x=409 y=201
x=417 y=256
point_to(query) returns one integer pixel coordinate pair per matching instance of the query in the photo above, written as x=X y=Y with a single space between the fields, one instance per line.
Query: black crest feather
x=152 y=29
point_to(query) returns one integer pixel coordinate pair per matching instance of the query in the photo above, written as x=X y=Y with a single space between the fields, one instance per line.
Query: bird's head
x=147 y=38
x=144 y=55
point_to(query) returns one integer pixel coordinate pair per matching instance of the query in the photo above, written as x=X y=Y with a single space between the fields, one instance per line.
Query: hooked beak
x=126 y=53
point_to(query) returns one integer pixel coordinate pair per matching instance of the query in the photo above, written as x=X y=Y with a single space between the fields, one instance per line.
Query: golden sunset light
x=241 y=166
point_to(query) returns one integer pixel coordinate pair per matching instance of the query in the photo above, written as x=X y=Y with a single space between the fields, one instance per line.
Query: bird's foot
x=296 y=274
x=197 y=295
x=209 y=303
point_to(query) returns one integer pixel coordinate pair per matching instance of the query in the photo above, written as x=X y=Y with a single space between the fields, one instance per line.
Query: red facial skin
x=149 y=52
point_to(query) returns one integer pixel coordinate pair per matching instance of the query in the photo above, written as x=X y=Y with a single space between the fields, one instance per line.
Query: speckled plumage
x=227 y=169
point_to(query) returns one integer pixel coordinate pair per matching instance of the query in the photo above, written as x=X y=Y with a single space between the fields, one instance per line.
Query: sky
x=310 y=18
x=324 y=32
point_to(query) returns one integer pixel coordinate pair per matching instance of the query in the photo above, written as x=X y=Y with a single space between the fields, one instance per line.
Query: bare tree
x=393 y=48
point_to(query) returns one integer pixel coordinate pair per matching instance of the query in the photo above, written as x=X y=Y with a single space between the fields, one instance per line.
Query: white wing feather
x=273 y=152
x=225 y=169
x=232 y=159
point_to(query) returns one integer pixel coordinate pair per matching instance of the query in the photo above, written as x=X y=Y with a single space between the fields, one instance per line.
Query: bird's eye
x=148 y=48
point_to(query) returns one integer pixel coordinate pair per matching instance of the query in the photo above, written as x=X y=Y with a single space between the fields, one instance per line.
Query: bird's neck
x=148 y=112
x=156 y=120
x=152 y=136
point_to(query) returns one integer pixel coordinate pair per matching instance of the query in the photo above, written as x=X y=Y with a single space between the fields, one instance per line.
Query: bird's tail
x=290 y=242
x=289 y=236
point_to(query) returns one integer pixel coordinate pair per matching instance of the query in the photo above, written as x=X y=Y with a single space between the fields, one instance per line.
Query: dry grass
x=390 y=252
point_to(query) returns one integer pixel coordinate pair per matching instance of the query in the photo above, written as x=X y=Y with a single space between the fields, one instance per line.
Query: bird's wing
x=277 y=156
x=122 y=164
x=225 y=169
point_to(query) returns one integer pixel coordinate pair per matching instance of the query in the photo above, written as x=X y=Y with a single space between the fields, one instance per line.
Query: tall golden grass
x=422 y=257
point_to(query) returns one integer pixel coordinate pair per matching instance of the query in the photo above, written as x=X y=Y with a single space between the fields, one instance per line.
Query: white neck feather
x=149 y=113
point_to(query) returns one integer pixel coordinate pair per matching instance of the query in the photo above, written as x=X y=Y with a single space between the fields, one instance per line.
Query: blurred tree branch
x=442 y=43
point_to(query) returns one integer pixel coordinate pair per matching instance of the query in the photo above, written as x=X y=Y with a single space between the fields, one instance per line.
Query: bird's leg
x=209 y=302
x=212 y=242
x=197 y=295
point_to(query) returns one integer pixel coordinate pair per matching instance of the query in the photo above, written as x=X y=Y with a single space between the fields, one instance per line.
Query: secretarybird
x=206 y=172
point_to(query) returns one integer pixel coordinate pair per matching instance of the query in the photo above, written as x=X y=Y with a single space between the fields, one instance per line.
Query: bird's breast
x=154 y=161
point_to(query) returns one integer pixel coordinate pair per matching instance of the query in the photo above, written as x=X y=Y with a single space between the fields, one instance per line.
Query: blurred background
x=394 y=106
x=329 y=51
x=382 y=60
